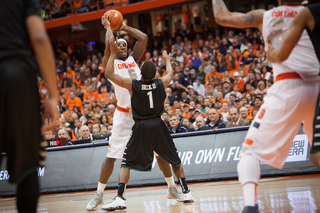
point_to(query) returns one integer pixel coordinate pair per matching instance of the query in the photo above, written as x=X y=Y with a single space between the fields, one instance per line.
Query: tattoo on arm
x=237 y=20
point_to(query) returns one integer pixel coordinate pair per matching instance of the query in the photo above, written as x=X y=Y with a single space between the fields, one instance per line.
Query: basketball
x=115 y=18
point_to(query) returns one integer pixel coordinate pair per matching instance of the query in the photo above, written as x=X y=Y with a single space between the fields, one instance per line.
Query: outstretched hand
x=114 y=44
x=104 y=21
x=165 y=56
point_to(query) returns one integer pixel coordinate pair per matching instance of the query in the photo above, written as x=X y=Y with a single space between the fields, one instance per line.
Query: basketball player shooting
x=126 y=67
x=149 y=132
x=289 y=102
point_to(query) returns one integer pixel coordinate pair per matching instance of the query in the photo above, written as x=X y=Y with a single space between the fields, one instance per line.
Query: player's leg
x=122 y=124
x=22 y=140
x=167 y=150
x=28 y=193
x=164 y=166
x=249 y=174
x=119 y=202
x=270 y=136
x=106 y=172
x=312 y=129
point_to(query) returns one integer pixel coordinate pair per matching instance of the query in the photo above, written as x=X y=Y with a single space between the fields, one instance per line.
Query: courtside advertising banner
x=212 y=155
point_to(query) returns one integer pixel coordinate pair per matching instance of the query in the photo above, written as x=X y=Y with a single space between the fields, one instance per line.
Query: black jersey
x=14 y=38
x=147 y=99
x=315 y=34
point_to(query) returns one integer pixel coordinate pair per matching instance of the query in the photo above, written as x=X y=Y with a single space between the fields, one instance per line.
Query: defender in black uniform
x=309 y=19
x=20 y=120
x=149 y=132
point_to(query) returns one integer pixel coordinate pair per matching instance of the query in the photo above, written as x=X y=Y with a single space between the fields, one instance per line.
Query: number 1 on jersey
x=150 y=99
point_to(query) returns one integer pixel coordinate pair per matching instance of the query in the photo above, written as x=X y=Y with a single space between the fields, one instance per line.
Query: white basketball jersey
x=303 y=59
x=126 y=69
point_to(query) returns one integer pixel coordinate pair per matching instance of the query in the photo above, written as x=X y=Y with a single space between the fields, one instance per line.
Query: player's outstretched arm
x=301 y=21
x=117 y=79
x=45 y=59
x=238 y=20
x=169 y=73
x=140 y=46
x=109 y=34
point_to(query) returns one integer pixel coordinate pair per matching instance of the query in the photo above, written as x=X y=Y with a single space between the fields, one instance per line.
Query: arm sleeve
x=32 y=7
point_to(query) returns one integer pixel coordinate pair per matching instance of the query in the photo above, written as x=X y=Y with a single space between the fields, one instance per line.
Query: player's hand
x=165 y=55
x=270 y=52
x=104 y=21
x=114 y=44
x=50 y=111
x=122 y=26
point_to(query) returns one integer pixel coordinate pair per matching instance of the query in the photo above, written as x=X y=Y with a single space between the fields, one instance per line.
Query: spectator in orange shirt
x=248 y=89
x=73 y=101
x=78 y=80
x=238 y=81
x=70 y=73
x=90 y=95
x=213 y=72
x=232 y=65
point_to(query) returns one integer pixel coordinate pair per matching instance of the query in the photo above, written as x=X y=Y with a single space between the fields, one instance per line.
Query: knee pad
x=248 y=169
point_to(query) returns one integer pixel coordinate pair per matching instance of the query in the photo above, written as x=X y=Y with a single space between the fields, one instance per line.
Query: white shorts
x=121 y=132
x=288 y=104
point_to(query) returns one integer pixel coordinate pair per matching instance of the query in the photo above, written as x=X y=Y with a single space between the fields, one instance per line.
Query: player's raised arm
x=169 y=73
x=140 y=46
x=117 y=79
x=238 y=20
x=301 y=21
x=109 y=34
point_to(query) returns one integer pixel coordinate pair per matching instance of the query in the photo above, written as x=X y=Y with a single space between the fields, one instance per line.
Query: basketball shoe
x=95 y=201
x=173 y=193
x=188 y=197
x=250 y=209
x=118 y=203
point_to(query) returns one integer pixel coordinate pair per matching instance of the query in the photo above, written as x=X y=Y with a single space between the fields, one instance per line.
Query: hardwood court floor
x=296 y=194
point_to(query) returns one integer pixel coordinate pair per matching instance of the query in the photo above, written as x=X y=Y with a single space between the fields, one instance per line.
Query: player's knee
x=248 y=169
x=110 y=160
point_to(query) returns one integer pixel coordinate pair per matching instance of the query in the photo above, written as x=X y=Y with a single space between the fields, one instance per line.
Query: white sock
x=170 y=181
x=101 y=187
x=250 y=194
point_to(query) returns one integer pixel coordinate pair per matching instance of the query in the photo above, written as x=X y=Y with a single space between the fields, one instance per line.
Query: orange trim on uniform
x=123 y=109
x=288 y=75
x=249 y=142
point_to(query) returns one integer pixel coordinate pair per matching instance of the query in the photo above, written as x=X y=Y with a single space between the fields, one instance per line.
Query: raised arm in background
x=169 y=73
x=237 y=20
x=41 y=44
x=117 y=79
x=303 y=20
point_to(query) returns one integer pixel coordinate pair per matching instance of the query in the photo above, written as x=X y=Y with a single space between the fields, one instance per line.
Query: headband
x=121 y=39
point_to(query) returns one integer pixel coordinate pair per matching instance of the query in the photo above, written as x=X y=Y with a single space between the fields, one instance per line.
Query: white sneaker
x=118 y=203
x=188 y=197
x=95 y=201
x=173 y=193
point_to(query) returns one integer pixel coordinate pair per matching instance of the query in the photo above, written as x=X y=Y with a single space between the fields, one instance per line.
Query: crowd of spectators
x=62 y=8
x=219 y=82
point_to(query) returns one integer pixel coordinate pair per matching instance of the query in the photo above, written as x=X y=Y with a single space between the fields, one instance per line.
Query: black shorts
x=316 y=129
x=148 y=136
x=20 y=120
